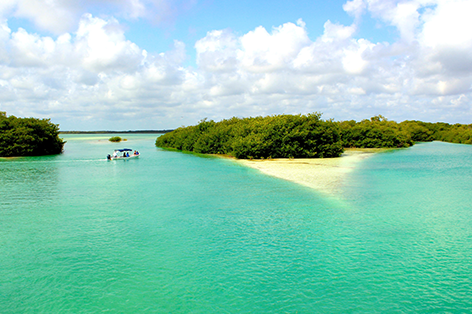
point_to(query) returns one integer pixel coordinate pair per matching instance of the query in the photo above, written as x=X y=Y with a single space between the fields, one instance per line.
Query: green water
x=177 y=233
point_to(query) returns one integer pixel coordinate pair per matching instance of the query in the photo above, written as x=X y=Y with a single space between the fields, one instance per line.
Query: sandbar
x=325 y=175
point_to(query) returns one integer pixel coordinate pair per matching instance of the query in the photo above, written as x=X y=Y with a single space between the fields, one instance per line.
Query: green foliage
x=115 y=139
x=28 y=137
x=377 y=132
x=298 y=136
x=419 y=131
x=457 y=134
x=306 y=136
x=425 y=131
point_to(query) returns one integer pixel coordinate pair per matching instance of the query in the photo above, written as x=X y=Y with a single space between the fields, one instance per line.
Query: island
x=305 y=136
x=28 y=137
x=304 y=148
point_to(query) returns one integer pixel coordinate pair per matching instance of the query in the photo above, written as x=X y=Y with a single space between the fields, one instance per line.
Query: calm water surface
x=177 y=233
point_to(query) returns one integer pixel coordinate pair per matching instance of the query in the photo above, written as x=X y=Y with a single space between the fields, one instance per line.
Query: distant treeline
x=28 y=137
x=305 y=136
x=114 y=132
x=379 y=132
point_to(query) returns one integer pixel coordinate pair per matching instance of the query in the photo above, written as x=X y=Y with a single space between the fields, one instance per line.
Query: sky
x=162 y=64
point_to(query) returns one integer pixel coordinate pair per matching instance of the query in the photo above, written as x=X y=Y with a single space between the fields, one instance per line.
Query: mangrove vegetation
x=305 y=136
x=28 y=137
x=115 y=139
x=297 y=136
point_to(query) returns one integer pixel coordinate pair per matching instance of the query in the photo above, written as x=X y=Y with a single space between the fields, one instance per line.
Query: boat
x=123 y=154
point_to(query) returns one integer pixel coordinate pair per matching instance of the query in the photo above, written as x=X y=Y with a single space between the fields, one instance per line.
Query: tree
x=276 y=136
x=28 y=137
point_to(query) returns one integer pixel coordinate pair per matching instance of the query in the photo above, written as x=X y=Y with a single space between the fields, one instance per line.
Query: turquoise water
x=177 y=233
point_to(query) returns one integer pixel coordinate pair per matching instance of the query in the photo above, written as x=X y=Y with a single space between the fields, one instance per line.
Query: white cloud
x=448 y=25
x=261 y=51
x=217 y=51
x=31 y=50
x=103 y=46
x=337 y=32
x=57 y=16
x=355 y=7
x=404 y=15
x=61 y=16
x=446 y=36
x=95 y=77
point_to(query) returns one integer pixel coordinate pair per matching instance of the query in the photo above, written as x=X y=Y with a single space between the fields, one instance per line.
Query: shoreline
x=325 y=175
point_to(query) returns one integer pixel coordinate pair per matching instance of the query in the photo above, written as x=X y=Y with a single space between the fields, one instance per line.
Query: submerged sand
x=323 y=174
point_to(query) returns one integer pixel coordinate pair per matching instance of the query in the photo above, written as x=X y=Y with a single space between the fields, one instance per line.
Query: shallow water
x=178 y=233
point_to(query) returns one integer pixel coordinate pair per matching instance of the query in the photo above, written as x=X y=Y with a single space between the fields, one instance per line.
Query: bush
x=279 y=136
x=374 y=133
x=28 y=137
x=306 y=136
x=115 y=139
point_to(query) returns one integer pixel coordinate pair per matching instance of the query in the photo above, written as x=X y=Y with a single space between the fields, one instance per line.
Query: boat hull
x=124 y=158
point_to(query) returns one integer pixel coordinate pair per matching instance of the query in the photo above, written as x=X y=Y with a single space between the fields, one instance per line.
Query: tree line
x=28 y=137
x=305 y=136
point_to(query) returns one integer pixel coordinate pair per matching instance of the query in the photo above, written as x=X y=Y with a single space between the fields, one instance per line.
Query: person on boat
x=108 y=157
x=115 y=155
x=127 y=154
x=136 y=153
x=124 y=154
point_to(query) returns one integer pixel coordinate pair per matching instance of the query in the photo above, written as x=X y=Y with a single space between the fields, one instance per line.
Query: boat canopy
x=123 y=150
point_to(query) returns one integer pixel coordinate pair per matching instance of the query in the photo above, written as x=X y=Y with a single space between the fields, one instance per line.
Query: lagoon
x=179 y=233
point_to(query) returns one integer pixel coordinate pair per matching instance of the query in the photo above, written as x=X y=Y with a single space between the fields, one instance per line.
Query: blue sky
x=156 y=64
x=238 y=16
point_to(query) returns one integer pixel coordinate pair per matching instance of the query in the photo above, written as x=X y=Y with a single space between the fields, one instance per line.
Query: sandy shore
x=323 y=174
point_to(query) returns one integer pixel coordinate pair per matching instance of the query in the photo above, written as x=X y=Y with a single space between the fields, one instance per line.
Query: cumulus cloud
x=61 y=16
x=102 y=46
x=355 y=8
x=263 y=52
x=95 y=77
x=217 y=51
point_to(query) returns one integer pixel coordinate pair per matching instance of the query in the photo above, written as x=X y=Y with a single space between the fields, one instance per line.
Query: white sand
x=323 y=174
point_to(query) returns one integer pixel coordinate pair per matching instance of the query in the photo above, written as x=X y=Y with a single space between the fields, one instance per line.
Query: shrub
x=115 y=139
x=28 y=137
x=279 y=136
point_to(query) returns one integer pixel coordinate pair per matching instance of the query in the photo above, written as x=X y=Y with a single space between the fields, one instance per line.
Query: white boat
x=124 y=154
